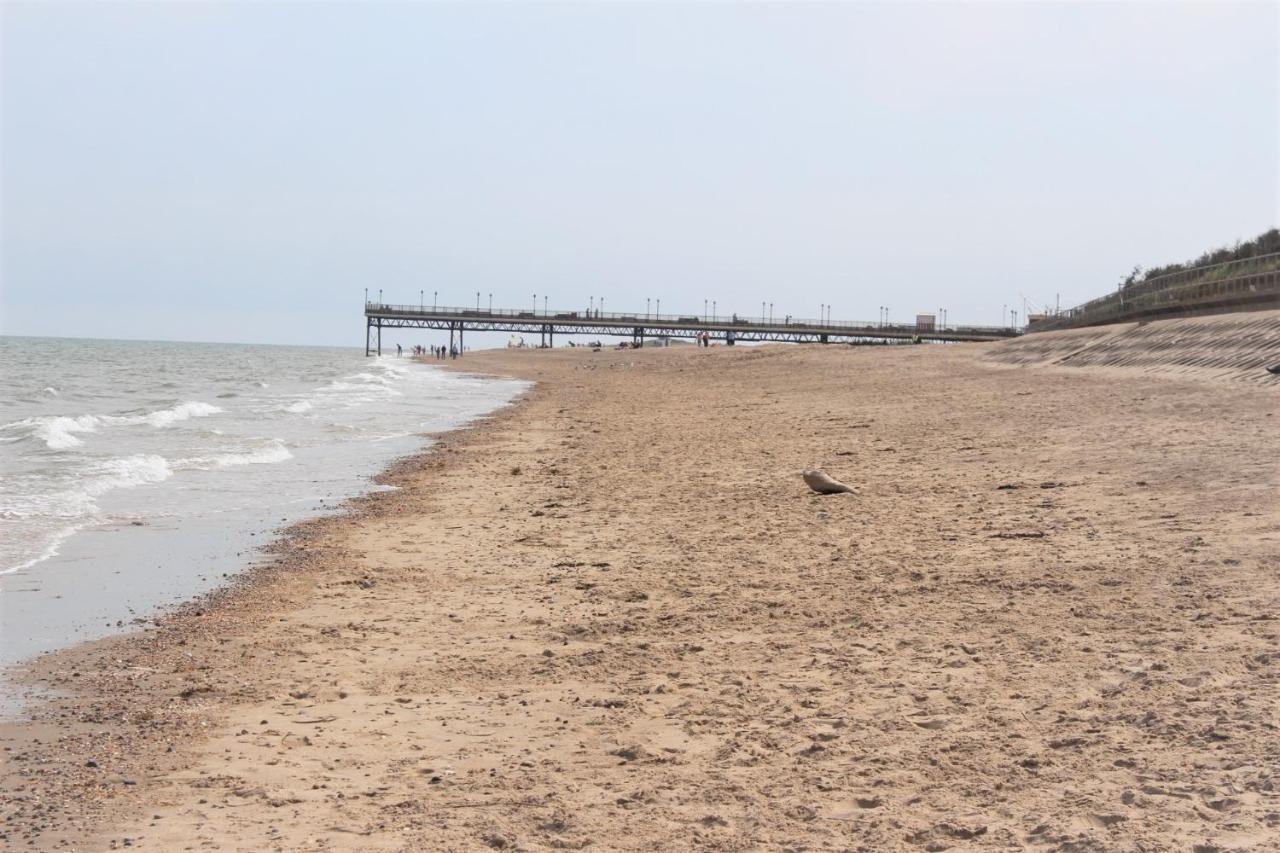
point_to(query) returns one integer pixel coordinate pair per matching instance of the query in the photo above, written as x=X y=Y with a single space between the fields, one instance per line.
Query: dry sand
x=615 y=617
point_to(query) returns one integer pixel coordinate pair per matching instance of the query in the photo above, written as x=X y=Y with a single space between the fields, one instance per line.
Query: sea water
x=137 y=474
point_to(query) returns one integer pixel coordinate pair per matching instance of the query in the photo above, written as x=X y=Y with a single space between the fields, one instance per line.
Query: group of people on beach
x=435 y=352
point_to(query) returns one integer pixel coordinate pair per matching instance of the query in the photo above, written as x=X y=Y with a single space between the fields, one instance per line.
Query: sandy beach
x=614 y=617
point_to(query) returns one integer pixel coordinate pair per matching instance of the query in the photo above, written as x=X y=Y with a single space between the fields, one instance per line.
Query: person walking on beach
x=399 y=351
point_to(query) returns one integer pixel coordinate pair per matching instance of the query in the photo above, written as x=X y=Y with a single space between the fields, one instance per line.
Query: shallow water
x=136 y=474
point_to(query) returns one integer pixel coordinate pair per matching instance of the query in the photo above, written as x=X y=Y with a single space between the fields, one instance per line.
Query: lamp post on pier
x=490 y=303
x=657 y=311
x=646 y=308
x=770 y=312
x=434 y=294
x=477 y=300
x=421 y=301
x=535 y=303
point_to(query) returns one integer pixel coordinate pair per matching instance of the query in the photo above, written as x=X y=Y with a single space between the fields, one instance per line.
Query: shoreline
x=647 y=634
x=207 y=507
x=172 y=486
x=53 y=684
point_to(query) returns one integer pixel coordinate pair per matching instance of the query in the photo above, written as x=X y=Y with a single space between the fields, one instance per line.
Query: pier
x=640 y=326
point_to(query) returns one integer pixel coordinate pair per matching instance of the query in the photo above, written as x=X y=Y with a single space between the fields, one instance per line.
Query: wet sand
x=614 y=617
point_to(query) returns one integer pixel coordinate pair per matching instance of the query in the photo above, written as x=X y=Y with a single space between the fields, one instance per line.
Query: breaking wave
x=61 y=432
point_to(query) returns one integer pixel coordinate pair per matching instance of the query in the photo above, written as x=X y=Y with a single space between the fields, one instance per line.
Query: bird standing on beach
x=824 y=485
x=1274 y=371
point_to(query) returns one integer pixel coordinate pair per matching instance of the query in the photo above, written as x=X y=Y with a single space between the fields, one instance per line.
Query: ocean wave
x=127 y=472
x=277 y=452
x=167 y=417
x=351 y=390
x=79 y=498
x=373 y=377
x=60 y=432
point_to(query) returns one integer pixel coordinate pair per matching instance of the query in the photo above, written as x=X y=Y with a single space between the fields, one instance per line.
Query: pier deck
x=640 y=325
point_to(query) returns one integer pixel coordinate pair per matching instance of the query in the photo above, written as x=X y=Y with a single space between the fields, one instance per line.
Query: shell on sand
x=824 y=485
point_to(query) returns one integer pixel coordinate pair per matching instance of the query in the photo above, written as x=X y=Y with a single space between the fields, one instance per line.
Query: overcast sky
x=242 y=171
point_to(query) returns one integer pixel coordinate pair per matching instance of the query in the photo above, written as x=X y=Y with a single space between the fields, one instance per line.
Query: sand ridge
x=614 y=617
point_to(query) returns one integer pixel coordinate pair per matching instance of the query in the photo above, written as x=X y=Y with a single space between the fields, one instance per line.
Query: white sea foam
x=59 y=433
x=51 y=549
x=61 y=514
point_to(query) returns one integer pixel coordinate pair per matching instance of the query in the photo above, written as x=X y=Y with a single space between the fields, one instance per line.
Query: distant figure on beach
x=399 y=351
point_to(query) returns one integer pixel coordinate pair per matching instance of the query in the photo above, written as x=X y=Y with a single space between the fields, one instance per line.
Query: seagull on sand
x=824 y=485
x=1274 y=371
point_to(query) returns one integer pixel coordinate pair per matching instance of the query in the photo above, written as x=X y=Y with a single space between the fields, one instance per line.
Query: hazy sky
x=242 y=171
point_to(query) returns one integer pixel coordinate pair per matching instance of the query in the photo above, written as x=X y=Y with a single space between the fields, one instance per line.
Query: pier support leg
x=379 y=337
x=461 y=328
